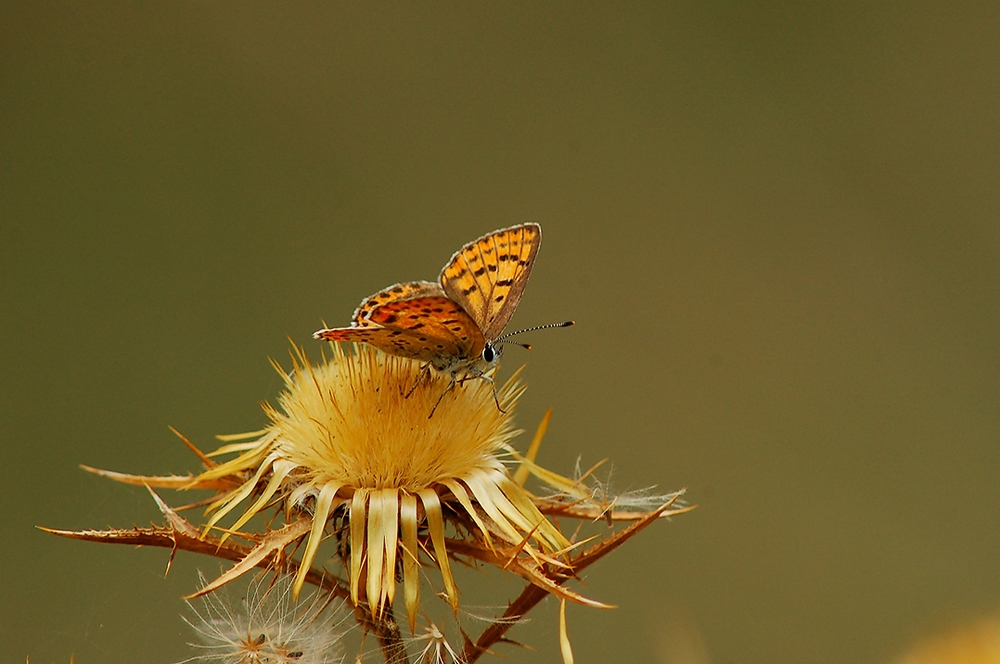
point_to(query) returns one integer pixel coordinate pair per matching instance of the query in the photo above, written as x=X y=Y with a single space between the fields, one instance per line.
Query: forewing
x=392 y=293
x=488 y=275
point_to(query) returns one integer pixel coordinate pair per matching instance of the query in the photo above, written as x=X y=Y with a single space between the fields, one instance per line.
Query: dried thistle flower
x=351 y=450
x=353 y=433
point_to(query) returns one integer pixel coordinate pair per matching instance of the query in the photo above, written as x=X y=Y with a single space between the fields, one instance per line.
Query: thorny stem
x=532 y=594
x=181 y=535
x=526 y=601
x=386 y=629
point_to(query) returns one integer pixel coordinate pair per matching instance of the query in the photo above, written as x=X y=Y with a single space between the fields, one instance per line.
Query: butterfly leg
x=448 y=389
x=488 y=379
x=461 y=381
x=425 y=375
x=496 y=398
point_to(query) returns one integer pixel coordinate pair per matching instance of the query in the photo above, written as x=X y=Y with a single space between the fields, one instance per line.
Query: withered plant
x=351 y=455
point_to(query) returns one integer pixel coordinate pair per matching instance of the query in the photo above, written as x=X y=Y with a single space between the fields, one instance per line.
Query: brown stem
x=526 y=601
x=533 y=594
x=387 y=632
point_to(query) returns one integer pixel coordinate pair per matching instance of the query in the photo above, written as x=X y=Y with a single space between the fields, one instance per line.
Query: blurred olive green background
x=776 y=225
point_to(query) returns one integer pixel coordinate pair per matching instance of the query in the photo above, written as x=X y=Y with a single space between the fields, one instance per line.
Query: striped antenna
x=504 y=338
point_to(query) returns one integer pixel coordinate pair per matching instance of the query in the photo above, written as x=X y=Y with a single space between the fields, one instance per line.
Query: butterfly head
x=491 y=353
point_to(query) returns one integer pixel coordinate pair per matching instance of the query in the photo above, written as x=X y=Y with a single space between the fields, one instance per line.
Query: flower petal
x=358 y=503
x=410 y=553
x=435 y=523
x=463 y=498
x=390 y=536
x=324 y=505
x=280 y=470
x=241 y=495
x=376 y=550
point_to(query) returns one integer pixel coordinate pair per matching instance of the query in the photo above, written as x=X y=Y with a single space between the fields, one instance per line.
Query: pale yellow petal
x=435 y=524
x=481 y=487
x=411 y=560
x=463 y=498
x=390 y=508
x=240 y=496
x=358 y=516
x=241 y=436
x=564 y=647
x=566 y=485
x=279 y=471
x=376 y=551
x=544 y=531
x=523 y=471
x=257 y=451
x=324 y=504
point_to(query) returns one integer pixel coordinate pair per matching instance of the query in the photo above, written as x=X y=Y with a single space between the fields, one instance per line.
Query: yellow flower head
x=356 y=433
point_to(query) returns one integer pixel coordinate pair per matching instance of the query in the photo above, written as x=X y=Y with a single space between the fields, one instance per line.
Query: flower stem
x=387 y=632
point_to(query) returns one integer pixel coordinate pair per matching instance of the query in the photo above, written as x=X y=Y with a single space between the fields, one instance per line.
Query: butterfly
x=456 y=324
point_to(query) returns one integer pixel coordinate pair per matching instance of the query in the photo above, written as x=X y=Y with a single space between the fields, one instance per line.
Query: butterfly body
x=454 y=324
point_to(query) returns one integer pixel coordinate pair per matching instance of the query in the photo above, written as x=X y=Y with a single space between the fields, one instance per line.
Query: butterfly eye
x=491 y=353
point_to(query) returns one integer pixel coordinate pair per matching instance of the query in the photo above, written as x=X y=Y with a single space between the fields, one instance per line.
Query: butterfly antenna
x=504 y=338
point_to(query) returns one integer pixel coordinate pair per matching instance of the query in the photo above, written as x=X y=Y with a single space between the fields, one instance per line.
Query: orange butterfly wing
x=487 y=276
x=432 y=329
x=392 y=293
